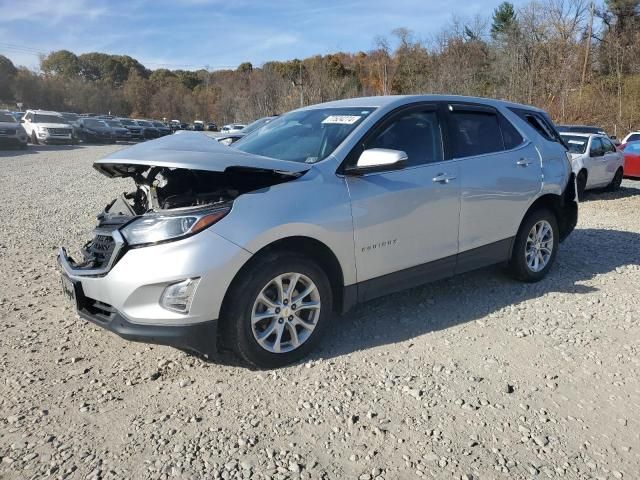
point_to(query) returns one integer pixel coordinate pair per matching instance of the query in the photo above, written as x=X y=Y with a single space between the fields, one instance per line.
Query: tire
x=581 y=182
x=241 y=332
x=616 y=181
x=523 y=246
x=34 y=139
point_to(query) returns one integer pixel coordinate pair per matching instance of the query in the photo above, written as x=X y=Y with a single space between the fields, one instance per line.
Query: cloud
x=48 y=10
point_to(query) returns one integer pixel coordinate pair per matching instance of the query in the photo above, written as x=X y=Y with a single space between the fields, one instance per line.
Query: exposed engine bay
x=160 y=189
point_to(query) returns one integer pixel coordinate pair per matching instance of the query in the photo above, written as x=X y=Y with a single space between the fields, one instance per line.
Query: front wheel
x=277 y=310
x=535 y=246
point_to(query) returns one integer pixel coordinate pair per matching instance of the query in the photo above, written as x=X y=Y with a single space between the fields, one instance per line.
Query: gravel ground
x=473 y=377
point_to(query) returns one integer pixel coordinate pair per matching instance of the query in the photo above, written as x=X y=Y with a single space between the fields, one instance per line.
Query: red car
x=631 y=152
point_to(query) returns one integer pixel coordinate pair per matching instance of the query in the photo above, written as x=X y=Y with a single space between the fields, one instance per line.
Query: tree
x=7 y=73
x=61 y=62
x=504 y=20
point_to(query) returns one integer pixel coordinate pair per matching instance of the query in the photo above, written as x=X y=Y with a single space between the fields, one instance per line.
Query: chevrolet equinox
x=255 y=247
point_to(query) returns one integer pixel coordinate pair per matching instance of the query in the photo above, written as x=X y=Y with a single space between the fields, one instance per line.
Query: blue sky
x=192 y=34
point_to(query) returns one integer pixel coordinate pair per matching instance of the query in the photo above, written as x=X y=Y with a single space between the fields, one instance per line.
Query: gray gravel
x=470 y=378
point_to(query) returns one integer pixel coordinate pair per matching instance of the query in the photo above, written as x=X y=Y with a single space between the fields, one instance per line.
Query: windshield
x=257 y=124
x=95 y=123
x=126 y=121
x=70 y=116
x=576 y=143
x=113 y=123
x=305 y=136
x=144 y=123
x=633 y=137
x=5 y=117
x=158 y=124
x=39 y=118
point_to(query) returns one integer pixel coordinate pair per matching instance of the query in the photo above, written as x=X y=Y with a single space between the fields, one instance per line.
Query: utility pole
x=587 y=52
x=299 y=84
x=301 y=87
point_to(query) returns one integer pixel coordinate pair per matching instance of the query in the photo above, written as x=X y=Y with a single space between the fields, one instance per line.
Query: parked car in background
x=149 y=132
x=47 y=127
x=11 y=132
x=232 y=137
x=161 y=127
x=72 y=119
x=175 y=125
x=631 y=152
x=198 y=126
x=92 y=130
x=211 y=127
x=596 y=161
x=581 y=129
x=121 y=132
x=632 y=137
x=133 y=127
x=232 y=128
x=18 y=115
x=330 y=205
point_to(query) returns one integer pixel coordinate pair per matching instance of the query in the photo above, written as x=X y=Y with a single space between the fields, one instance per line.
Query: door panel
x=496 y=191
x=500 y=172
x=404 y=218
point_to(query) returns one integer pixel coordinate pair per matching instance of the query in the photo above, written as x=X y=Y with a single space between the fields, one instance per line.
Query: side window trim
x=355 y=152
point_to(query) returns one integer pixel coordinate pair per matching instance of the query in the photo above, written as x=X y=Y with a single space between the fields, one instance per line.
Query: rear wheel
x=616 y=181
x=277 y=310
x=535 y=246
x=581 y=182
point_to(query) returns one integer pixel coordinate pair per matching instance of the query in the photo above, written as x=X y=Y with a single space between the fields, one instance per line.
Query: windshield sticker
x=342 y=119
x=577 y=142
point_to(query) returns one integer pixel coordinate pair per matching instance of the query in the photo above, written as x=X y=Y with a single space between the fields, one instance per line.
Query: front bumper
x=125 y=297
x=199 y=337
x=13 y=141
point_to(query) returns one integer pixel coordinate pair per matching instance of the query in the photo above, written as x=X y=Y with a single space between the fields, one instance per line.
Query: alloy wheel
x=285 y=313
x=539 y=246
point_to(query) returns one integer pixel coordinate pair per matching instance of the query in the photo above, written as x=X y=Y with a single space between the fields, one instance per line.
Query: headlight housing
x=42 y=129
x=158 y=228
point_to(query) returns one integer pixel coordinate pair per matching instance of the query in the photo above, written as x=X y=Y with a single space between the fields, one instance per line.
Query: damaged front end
x=172 y=199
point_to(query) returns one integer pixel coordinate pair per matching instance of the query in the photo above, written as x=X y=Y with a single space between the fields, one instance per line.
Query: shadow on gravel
x=586 y=254
x=629 y=189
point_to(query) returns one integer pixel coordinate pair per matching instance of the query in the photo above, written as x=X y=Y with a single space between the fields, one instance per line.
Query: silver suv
x=255 y=247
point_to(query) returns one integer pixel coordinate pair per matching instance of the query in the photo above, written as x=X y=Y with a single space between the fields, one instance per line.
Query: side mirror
x=379 y=159
x=613 y=137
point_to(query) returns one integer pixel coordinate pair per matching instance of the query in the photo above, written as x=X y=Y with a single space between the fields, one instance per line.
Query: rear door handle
x=443 y=178
x=524 y=162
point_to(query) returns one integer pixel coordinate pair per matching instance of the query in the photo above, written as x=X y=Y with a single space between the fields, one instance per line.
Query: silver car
x=254 y=248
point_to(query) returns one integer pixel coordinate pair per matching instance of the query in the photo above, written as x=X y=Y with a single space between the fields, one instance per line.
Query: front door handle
x=524 y=162
x=443 y=178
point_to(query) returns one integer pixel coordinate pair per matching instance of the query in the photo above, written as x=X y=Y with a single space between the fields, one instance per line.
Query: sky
x=217 y=34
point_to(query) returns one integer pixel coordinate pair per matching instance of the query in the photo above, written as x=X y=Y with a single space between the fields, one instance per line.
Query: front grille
x=100 y=249
x=59 y=131
x=7 y=131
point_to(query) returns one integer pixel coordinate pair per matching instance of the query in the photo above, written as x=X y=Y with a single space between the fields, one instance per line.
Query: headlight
x=226 y=141
x=42 y=129
x=156 y=228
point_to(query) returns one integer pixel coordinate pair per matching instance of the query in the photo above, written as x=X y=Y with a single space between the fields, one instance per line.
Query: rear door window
x=608 y=146
x=474 y=133
x=539 y=123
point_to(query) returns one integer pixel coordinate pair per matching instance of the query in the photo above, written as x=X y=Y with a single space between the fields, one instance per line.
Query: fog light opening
x=177 y=297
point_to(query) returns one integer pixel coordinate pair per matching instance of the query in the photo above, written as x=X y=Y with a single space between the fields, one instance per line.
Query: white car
x=596 y=161
x=632 y=137
x=232 y=128
x=47 y=127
